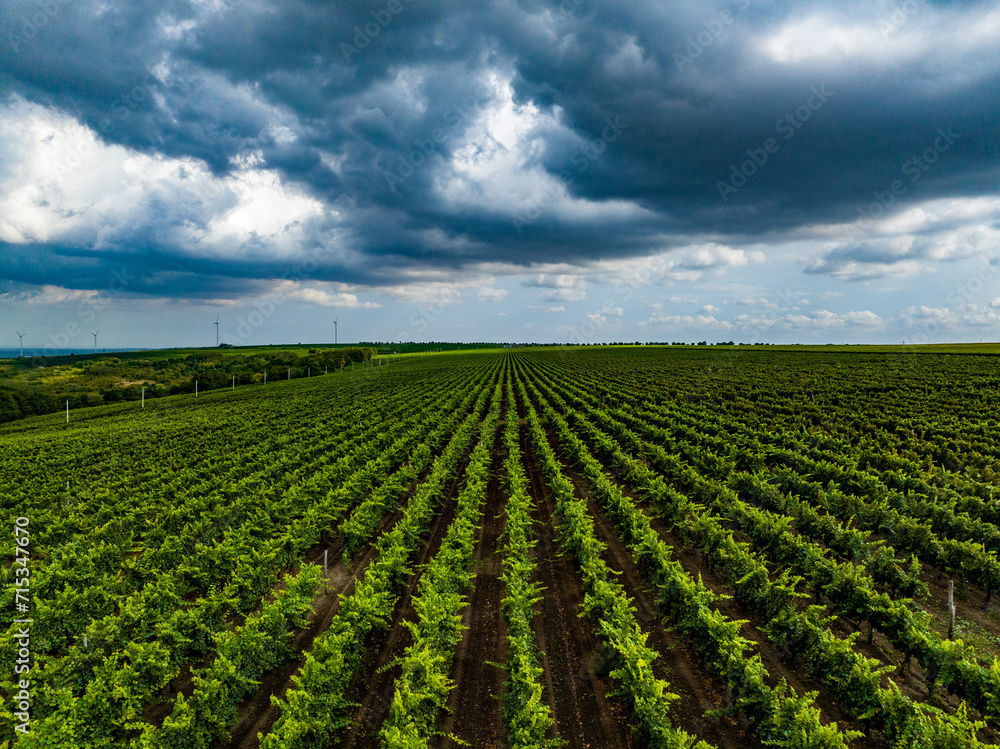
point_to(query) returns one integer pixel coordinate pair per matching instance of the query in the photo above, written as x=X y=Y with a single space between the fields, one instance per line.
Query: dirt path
x=970 y=601
x=573 y=659
x=777 y=664
x=473 y=713
x=690 y=672
x=679 y=663
x=258 y=715
x=374 y=684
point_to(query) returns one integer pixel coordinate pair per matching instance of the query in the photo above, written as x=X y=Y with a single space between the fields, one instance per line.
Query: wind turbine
x=334 y=332
x=95 y=340
x=21 y=336
x=217 y=331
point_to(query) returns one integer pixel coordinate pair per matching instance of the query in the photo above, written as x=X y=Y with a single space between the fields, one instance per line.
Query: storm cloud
x=213 y=149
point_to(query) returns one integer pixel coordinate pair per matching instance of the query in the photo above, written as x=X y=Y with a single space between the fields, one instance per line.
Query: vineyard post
x=309 y=372
x=951 y=609
x=234 y=382
x=144 y=397
x=326 y=573
x=289 y=373
x=67 y=412
x=196 y=388
x=265 y=376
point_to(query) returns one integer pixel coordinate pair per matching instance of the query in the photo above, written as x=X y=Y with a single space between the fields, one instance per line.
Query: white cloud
x=487 y=294
x=911 y=241
x=51 y=294
x=687 y=263
x=752 y=301
x=499 y=166
x=319 y=297
x=701 y=322
x=428 y=293
x=557 y=287
x=61 y=184
x=854 y=270
x=818 y=320
x=718 y=257
x=893 y=36
x=946 y=322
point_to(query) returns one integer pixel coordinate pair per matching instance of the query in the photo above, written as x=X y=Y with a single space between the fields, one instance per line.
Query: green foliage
x=855 y=679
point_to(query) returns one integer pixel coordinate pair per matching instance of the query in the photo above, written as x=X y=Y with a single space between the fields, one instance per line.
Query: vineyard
x=579 y=547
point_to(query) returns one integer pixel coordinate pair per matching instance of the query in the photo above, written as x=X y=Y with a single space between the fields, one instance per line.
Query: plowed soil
x=374 y=684
x=473 y=713
x=575 y=663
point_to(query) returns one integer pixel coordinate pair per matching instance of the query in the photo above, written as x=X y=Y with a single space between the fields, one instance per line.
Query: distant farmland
x=584 y=547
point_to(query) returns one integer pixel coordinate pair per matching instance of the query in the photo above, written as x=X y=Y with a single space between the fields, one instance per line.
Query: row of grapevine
x=606 y=603
x=773 y=713
x=247 y=569
x=854 y=678
x=357 y=530
x=967 y=559
x=317 y=707
x=422 y=687
x=242 y=657
x=850 y=592
x=525 y=712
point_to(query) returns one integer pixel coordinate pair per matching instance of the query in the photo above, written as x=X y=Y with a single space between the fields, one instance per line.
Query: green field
x=41 y=385
x=590 y=547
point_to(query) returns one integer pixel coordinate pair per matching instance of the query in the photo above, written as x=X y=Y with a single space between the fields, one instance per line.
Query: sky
x=529 y=171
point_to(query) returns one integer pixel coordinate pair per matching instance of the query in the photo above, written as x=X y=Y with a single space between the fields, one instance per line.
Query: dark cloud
x=664 y=106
